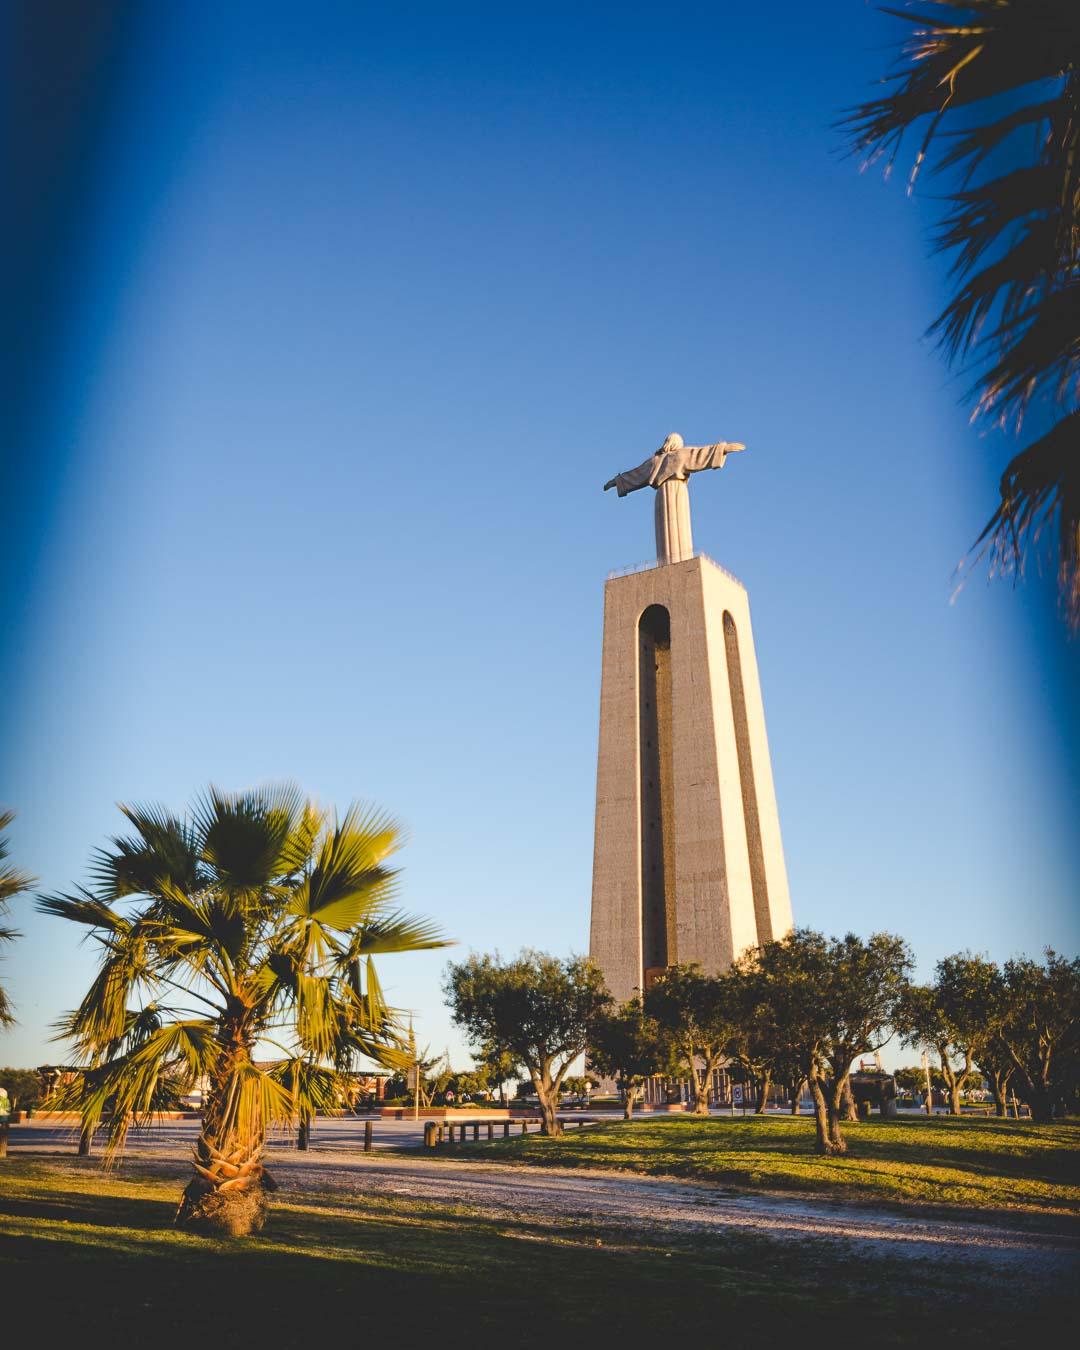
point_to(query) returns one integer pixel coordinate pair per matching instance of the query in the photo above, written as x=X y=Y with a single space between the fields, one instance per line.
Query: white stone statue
x=667 y=471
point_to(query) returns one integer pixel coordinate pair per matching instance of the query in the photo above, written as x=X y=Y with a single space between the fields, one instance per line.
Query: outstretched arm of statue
x=632 y=479
x=710 y=456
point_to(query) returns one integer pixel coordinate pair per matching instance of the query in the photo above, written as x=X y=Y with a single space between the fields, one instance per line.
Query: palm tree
x=12 y=882
x=995 y=86
x=236 y=947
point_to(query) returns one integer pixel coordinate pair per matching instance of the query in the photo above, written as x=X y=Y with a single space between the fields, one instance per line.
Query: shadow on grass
x=333 y=1266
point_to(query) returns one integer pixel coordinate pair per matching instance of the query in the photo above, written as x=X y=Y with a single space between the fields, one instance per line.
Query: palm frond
x=1040 y=491
x=244 y=835
x=12 y=881
x=84 y=908
x=164 y=848
x=398 y=933
x=1012 y=69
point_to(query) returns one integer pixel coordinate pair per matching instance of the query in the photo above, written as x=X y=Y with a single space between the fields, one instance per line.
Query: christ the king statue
x=667 y=471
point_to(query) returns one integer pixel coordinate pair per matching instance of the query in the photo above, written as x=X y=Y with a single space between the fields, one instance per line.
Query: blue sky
x=338 y=318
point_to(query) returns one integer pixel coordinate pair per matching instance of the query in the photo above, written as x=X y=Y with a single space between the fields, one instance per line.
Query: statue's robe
x=667 y=472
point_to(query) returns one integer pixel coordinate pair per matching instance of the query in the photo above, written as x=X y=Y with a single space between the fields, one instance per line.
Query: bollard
x=442 y=1132
x=491 y=1130
x=429 y=1133
x=368 y=1131
x=450 y=1130
x=506 y=1129
x=476 y=1132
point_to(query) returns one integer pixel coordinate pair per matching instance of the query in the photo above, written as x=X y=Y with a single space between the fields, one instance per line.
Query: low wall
x=481 y=1113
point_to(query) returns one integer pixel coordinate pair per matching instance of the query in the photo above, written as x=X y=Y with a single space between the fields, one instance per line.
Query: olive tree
x=831 y=999
x=954 y=1016
x=626 y=1045
x=1040 y=1028
x=697 y=1015
x=538 y=1008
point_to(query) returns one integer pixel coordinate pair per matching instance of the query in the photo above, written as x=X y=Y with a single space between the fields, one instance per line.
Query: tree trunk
x=226 y=1194
x=999 y=1089
x=796 y=1097
x=547 y=1092
x=303 y=1134
x=763 y=1093
x=86 y=1139
x=630 y=1096
x=1041 y=1104
x=850 y=1110
x=821 y=1116
x=835 y=1113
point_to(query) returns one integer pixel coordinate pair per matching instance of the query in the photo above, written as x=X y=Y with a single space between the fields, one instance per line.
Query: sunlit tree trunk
x=226 y=1193
x=821 y=1115
x=547 y=1092
x=630 y=1096
x=850 y=1110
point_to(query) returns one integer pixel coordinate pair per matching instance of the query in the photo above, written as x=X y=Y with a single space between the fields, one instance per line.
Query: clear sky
x=336 y=318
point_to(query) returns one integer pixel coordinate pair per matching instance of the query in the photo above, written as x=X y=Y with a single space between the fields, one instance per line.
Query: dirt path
x=638 y=1202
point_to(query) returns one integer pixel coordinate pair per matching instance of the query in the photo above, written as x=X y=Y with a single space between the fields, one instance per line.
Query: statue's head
x=673 y=442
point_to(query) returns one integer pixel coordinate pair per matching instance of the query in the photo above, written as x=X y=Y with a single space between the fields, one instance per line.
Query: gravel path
x=652 y=1203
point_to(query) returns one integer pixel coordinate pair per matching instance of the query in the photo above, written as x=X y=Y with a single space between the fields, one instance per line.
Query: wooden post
x=506 y=1129
x=429 y=1133
x=476 y=1131
x=491 y=1130
x=369 y=1129
x=450 y=1131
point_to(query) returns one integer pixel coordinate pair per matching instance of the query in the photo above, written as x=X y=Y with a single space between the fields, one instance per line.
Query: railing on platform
x=634 y=568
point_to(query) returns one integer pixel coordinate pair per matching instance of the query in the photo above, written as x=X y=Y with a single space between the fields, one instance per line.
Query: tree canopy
x=538 y=1007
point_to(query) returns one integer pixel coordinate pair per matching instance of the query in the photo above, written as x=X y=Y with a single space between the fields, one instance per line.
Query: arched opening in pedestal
x=656 y=793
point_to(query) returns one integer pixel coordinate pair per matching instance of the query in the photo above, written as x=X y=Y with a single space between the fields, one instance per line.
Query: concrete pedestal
x=688 y=863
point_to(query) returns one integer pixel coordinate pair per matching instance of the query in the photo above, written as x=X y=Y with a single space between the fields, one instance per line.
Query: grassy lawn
x=92 y=1253
x=982 y=1164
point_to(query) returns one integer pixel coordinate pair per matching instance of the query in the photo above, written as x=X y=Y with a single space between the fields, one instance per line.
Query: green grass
x=92 y=1254
x=955 y=1163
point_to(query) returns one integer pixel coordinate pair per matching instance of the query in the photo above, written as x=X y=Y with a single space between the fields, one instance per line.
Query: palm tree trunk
x=226 y=1194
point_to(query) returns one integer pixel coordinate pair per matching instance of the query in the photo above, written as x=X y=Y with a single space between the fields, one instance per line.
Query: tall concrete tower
x=688 y=864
